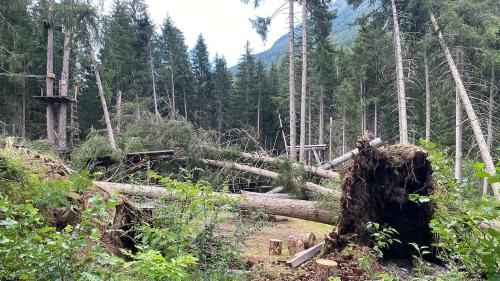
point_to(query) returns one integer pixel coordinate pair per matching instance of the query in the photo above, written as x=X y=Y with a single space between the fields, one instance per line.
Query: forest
x=363 y=151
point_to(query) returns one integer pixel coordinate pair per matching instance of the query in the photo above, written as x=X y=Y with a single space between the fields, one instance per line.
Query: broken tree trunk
x=339 y=160
x=269 y=195
x=300 y=209
x=471 y=114
x=309 y=186
x=100 y=87
x=317 y=171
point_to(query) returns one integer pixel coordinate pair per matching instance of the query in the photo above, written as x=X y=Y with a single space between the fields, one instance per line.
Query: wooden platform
x=54 y=99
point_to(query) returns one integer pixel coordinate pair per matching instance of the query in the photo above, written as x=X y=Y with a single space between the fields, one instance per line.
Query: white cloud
x=224 y=24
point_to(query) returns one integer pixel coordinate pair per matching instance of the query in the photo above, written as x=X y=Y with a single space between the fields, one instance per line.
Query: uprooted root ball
x=376 y=188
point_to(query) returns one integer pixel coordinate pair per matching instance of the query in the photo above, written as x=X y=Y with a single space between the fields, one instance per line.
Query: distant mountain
x=343 y=32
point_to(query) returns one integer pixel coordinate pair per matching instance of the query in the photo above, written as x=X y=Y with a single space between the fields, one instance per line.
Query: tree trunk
x=301 y=209
x=321 y=116
x=63 y=89
x=309 y=131
x=403 y=127
x=107 y=120
x=427 y=98
x=219 y=110
x=303 y=93
x=309 y=186
x=311 y=169
x=119 y=112
x=50 y=76
x=471 y=114
x=343 y=127
x=489 y=126
x=275 y=247
x=157 y=113
x=291 y=82
x=282 y=131
x=363 y=109
x=258 y=112
x=185 y=103
x=458 y=125
x=23 y=128
x=375 y=120
x=330 y=139
x=173 y=83
x=341 y=159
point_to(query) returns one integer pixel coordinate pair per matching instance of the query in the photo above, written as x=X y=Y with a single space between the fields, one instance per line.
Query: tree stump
x=309 y=239
x=325 y=269
x=275 y=247
x=295 y=245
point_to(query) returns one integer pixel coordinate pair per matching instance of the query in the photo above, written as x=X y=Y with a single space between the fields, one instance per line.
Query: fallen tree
x=300 y=209
x=309 y=186
x=341 y=159
x=317 y=171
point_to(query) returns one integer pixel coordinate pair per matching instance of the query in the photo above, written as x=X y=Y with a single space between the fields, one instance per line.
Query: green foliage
x=290 y=176
x=420 y=268
x=464 y=221
x=94 y=146
x=383 y=236
x=384 y=276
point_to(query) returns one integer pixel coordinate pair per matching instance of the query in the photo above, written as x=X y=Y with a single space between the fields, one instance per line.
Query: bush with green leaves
x=384 y=237
x=465 y=220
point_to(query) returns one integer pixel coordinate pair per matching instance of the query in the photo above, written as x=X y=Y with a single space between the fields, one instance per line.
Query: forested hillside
x=364 y=145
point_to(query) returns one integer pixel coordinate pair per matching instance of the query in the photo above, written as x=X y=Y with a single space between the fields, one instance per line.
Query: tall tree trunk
x=458 y=125
x=309 y=130
x=343 y=127
x=119 y=112
x=282 y=131
x=107 y=120
x=63 y=89
x=219 y=110
x=489 y=125
x=403 y=127
x=50 y=76
x=23 y=117
x=258 y=110
x=185 y=103
x=471 y=114
x=330 y=140
x=173 y=83
x=321 y=118
x=157 y=113
x=291 y=81
x=375 y=120
x=363 y=108
x=303 y=93
x=427 y=98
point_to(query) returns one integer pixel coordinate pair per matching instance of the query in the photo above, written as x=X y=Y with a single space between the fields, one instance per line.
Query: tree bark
x=321 y=116
x=258 y=111
x=341 y=159
x=403 y=127
x=303 y=93
x=282 y=131
x=107 y=120
x=375 y=120
x=471 y=114
x=343 y=127
x=311 y=169
x=63 y=89
x=458 y=125
x=119 y=112
x=489 y=125
x=309 y=129
x=291 y=82
x=173 y=83
x=330 y=139
x=50 y=76
x=309 y=186
x=301 y=209
x=157 y=113
x=427 y=98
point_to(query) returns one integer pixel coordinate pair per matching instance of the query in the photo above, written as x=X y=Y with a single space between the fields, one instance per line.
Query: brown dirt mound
x=376 y=186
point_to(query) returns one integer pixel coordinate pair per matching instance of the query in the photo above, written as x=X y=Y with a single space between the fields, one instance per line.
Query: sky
x=224 y=24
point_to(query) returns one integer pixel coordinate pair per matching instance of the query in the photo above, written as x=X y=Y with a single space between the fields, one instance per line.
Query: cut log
x=309 y=186
x=317 y=171
x=301 y=209
x=275 y=247
x=309 y=239
x=295 y=245
x=325 y=269
x=304 y=256
x=339 y=160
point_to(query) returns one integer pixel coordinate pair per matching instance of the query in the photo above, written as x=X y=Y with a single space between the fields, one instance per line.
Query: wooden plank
x=304 y=256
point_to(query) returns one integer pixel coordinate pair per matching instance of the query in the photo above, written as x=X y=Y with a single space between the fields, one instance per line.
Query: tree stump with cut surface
x=275 y=247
